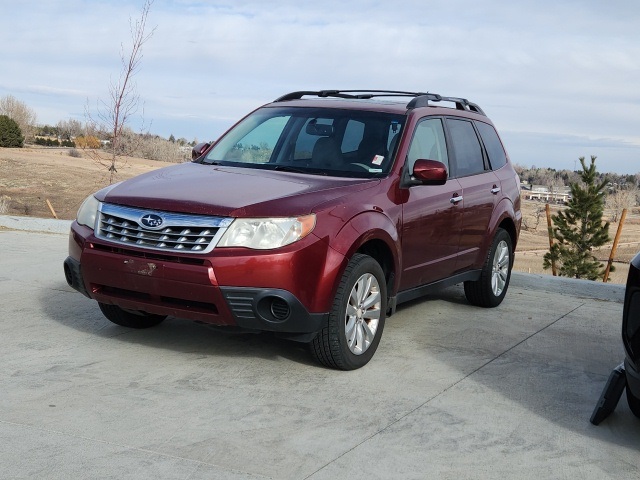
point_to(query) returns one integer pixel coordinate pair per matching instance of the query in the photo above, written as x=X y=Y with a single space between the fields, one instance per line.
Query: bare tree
x=68 y=129
x=532 y=221
x=18 y=111
x=124 y=100
x=622 y=198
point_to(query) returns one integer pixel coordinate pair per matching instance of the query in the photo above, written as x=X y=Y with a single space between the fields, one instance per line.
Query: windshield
x=321 y=141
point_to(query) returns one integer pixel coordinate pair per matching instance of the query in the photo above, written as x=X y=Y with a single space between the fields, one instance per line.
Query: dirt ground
x=29 y=177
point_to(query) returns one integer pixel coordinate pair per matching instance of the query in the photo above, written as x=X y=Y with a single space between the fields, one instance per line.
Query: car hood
x=232 y=192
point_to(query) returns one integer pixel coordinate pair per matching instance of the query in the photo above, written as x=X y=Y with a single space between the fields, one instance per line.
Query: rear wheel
x=357 y=317
x=490 y=289
x=126 y=318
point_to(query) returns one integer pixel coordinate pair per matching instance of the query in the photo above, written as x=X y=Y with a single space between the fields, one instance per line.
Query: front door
x=432 y=215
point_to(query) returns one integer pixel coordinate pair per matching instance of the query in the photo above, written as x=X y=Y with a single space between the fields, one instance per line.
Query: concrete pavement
x=454 y=392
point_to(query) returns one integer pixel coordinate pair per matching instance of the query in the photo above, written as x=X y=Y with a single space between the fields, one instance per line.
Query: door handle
x=456 y=199
x=495 y=189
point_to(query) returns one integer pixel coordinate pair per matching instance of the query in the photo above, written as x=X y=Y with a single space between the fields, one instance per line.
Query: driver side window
x=428 y=143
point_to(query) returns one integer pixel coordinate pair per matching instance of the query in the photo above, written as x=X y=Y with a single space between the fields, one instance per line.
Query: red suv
x=312 y=217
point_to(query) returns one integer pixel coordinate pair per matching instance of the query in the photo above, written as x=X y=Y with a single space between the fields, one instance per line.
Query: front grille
x=171 y=231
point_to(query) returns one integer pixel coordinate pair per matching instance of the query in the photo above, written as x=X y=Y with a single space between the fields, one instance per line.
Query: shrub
x=88 y=141
x=74 y=152
x=10 y=134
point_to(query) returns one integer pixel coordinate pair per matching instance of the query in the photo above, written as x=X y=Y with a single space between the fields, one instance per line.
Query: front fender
x=366 y=228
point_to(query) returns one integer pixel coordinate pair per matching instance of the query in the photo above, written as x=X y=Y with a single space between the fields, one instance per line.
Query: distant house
x=545 y=194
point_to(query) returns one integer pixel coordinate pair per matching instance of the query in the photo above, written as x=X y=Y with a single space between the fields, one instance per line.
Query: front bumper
x=289 y=292
x=253 y=309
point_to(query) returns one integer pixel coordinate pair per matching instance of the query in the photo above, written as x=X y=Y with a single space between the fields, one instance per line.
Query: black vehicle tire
x=490 y=289
x=356 y=319
x=125 y=318
x=634 y=403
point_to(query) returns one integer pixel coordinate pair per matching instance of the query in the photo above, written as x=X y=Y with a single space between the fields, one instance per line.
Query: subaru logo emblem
x=151 y=220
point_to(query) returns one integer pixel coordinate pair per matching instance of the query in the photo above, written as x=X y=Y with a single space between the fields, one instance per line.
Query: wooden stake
x=550 y=231
x=615 y=245
x=52 y=210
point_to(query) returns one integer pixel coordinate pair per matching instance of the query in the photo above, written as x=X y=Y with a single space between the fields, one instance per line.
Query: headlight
x=88 y=211
x=267 y=233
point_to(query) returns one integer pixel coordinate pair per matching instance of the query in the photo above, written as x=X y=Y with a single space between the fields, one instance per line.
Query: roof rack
x=420 y=99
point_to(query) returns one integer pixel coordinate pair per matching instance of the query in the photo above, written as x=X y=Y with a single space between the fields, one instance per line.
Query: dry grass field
x=534 y=242
x=31 y=176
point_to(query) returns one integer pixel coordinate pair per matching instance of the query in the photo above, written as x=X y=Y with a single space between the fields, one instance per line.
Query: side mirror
x=429 y=172
x=199 y=149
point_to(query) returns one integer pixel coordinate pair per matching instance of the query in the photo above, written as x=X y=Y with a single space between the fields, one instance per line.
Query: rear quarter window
x=495 y=151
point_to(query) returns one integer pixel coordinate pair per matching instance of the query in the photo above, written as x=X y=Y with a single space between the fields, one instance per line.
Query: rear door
x=480 y=190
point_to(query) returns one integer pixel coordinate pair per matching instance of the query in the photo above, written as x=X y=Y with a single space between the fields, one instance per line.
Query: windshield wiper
x=289 y=168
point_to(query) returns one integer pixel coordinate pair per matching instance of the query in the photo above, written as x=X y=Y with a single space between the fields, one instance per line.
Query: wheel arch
x=381 y=253
x=373 y=234
x=509 y=226
x=504 y=216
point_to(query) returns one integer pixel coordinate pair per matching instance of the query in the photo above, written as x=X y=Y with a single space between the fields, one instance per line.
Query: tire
x=634 y=402
x=126 y=318
x=490 y=289
x=356 y=319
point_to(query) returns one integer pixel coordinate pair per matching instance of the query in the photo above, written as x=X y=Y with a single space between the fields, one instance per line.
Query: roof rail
x=420 y=99
x=461 y=103
x=355 y=94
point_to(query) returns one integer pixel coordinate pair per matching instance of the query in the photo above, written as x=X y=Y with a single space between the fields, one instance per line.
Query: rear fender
x=503 y=211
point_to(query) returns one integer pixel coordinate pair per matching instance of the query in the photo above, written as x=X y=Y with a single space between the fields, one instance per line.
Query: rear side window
x=497 y=157
x=468 y=152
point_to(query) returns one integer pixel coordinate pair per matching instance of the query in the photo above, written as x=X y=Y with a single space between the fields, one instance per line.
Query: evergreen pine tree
x=10 y=134
x=579 y=228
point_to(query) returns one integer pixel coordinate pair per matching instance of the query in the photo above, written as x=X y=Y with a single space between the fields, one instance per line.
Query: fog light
x=279 y=308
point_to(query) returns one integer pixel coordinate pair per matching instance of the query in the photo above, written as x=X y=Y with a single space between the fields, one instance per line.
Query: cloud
x=544 y=67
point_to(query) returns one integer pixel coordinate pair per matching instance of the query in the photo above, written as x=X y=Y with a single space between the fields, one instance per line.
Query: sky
x=559 y=79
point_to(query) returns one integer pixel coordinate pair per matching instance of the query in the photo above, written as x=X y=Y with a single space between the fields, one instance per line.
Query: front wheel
x=490 y=289
x=356 y=319
x=125 y=318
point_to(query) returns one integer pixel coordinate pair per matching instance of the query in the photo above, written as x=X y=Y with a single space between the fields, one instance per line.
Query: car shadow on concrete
x=82 y=314
x=552 y=386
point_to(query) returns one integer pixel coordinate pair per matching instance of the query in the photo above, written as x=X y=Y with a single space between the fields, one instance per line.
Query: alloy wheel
x=500 y=270
x=363 y=314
